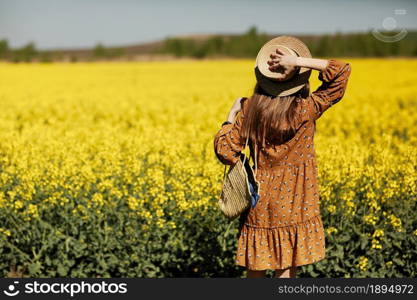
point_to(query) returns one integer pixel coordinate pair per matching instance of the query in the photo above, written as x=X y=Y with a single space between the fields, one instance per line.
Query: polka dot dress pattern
x=285 y=228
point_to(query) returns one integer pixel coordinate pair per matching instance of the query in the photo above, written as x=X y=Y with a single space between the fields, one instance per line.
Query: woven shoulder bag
x=240 y=188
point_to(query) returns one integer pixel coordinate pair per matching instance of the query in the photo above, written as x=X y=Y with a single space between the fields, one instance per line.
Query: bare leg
x=286 y=273
x=255 y=273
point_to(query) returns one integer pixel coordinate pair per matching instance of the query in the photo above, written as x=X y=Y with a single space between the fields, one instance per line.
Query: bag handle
x=256 y=150
x=243 y=165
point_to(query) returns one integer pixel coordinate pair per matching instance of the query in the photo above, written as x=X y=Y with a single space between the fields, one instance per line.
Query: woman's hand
x=283 y=60
x=237 y=105
x=284 y=65
x=234 y=110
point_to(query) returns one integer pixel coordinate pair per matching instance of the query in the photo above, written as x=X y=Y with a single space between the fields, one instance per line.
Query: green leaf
x=364 y=243
x=34 y=268
x=62 y=271
x=344 y=238
x=398 y=261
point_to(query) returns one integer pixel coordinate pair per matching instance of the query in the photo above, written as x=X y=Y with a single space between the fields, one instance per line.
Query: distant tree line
x=246 y=45
x=26 y=53
x=29 y=53
x=100 y=51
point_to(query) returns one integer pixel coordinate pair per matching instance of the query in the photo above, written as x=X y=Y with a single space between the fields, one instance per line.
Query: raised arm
x=312 y=63
x=290 y=61
x=334 y=75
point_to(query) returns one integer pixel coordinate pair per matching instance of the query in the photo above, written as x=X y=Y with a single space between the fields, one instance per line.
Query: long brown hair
x=272 y=120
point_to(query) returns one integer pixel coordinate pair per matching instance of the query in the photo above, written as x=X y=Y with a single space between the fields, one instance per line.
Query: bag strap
x=256 y=150
x=243 y=165
x=246 y=144
x=256 y=164
x=247 y=139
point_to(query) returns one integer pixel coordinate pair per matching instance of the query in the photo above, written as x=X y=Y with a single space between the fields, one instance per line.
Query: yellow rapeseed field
x=78 y=141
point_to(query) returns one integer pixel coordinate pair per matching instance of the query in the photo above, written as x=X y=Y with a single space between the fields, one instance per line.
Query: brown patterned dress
x=285 y=228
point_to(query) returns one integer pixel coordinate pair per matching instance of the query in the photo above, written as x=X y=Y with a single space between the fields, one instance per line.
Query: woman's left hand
x=234 y=110
x=236 y=105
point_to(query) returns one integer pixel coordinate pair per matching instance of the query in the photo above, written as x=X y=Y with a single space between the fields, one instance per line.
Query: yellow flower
x=172 y=224
x=33 y=210
x=395 y=222
x=370 y=219
x=376 y=244
x=160 y=223
x=11 y=194
x=331 y=208
x=378 y=233
x=18 y=204
x=331 y=230
x=388 y=263
x=98 y=199
x=363 y=263
x=159 y=212
x=132 y=202
x=6 y=232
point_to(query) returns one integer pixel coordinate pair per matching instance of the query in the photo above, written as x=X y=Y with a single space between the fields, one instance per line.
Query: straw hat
x=268 y=80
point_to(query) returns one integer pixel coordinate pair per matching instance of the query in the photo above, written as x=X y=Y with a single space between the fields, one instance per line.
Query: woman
x=284 y=230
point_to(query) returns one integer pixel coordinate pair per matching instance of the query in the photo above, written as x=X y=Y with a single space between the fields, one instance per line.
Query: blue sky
x=84 y=23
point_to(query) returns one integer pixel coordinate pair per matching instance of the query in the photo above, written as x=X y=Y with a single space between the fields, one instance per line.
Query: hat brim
x=282 y=88
x=296 y=82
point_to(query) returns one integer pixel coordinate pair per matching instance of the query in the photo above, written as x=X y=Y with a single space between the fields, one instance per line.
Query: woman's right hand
x=282 y=60
x=283 y=64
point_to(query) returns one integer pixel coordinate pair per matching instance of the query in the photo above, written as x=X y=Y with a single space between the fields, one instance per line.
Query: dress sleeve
x=334 y=82
x=229 y=142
